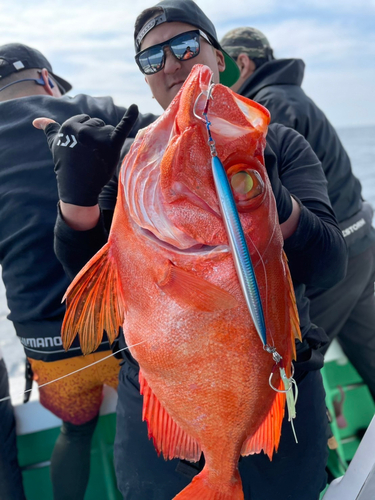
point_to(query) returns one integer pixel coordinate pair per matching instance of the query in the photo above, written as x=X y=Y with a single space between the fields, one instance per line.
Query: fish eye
x=246 y=185
x=242 y=182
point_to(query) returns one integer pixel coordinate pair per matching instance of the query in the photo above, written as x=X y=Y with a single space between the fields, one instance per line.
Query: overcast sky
x=90 y=43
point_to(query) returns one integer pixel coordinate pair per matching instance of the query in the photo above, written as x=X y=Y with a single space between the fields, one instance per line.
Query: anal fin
x=168 y=437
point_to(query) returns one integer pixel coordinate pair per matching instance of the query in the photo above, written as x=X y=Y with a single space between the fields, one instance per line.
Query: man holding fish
x=167 y=275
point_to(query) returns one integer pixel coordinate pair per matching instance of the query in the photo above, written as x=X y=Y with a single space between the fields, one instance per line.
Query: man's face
x=167 y=82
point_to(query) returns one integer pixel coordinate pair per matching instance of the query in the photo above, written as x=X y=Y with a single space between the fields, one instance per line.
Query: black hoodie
x=34 y=279
x=277 y=86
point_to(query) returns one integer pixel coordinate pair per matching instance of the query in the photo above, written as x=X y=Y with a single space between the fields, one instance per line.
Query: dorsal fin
x=168 y=437
x=293 y=312
x=93 y=303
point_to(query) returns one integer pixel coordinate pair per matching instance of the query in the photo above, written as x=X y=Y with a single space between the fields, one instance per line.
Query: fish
x=167 y=276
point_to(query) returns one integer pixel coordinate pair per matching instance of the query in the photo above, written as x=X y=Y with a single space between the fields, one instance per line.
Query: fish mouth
x=198 y=249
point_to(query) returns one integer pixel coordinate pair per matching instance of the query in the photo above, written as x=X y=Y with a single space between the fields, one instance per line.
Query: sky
x=90 y=44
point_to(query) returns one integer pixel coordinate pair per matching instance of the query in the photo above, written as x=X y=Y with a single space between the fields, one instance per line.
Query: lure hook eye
x=195 y=108
x=208 y=95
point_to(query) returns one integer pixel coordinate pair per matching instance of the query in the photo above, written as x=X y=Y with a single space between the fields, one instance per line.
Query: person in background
x=10 y=473
x=34 y=279
x=313 y=243
x=347 y=310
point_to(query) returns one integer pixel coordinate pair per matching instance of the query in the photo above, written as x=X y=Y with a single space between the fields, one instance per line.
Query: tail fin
x=202 y=489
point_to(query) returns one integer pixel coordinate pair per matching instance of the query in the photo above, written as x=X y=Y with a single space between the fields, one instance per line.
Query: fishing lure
x=243 y=264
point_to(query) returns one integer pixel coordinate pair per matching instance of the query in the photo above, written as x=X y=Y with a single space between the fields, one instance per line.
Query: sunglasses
x=184 y=46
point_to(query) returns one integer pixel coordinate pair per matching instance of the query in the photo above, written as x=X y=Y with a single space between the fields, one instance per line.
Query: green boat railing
x=351 y=409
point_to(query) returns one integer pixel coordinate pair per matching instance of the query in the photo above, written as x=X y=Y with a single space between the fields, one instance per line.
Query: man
x=10 y=472
x=346 y=311
x=34 y=279
x=297 y=471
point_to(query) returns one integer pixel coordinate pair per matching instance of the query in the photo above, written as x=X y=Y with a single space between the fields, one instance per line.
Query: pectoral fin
x=93 y=303
x=189 y=290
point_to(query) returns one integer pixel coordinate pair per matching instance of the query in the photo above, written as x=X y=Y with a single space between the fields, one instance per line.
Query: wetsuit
x=35 y=280
x=317 y=256
x=347 y=310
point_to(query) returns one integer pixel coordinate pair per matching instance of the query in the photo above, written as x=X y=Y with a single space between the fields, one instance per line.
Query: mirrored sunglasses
x=183 y=46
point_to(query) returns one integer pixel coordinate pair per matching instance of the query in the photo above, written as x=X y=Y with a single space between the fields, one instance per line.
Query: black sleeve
x=316 y=251
x=142 y=122
x=108 y=196
x=75 y=248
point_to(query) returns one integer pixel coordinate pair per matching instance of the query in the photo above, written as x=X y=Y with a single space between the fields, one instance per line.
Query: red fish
x=167 y=275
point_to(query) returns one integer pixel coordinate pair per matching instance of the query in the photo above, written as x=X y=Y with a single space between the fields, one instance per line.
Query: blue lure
x=244 y=266
x=238 y=245
x=237 y=242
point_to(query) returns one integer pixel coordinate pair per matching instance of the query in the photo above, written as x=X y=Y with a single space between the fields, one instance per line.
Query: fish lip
x=203 y=250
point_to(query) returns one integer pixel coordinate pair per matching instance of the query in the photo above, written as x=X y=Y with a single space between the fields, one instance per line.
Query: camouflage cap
x=248 y=40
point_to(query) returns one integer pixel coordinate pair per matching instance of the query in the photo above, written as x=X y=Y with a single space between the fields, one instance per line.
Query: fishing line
x=75 y=371
x=265 y=272
x=275 y=223
x=262 y=261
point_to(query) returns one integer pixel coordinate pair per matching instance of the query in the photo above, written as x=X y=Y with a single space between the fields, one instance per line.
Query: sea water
x=360 y=145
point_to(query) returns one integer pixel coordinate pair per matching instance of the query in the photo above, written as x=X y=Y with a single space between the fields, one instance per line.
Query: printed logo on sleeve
x=353 y=228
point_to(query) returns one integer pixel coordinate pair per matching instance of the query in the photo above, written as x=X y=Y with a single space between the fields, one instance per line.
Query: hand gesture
x=86 y=152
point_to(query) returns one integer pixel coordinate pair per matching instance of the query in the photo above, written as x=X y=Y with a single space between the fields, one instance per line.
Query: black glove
x=282 y=196
x=86 y=152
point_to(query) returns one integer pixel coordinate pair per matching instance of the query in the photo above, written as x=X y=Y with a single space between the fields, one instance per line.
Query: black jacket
x=34 y=279
x=316 y=251
x=277 y=86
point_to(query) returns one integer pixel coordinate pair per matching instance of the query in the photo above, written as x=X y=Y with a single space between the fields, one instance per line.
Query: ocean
x=360 y=145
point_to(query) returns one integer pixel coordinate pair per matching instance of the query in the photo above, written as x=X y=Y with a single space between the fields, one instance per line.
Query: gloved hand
x=283 y=198
x=86 y=152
